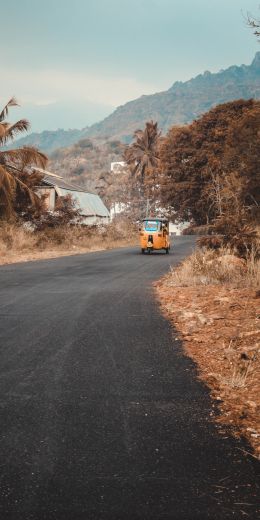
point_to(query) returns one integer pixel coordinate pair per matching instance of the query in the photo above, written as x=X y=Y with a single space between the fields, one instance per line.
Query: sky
x=71 y=63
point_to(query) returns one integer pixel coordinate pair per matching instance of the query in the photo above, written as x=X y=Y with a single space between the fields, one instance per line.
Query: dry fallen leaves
x=220 y=327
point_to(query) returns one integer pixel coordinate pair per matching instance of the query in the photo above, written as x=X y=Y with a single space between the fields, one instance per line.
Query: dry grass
x=18 y=243
x=206 y=267
x=213 y=300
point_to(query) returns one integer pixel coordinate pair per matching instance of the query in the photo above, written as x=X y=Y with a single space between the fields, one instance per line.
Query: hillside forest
x=207 y=173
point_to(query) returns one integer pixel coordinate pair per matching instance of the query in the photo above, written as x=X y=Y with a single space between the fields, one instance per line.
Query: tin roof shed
x=90 y=204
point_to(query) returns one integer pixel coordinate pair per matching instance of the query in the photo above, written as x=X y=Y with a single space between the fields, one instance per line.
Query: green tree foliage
x=17 y=179
x=211 y=168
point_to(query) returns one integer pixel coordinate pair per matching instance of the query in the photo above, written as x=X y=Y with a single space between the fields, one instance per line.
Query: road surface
x=102 y=416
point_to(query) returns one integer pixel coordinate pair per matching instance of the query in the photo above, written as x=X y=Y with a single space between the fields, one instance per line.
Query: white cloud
x=44 y=87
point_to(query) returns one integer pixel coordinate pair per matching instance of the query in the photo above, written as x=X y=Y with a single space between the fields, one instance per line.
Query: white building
x=118 y=166
x=177 y=229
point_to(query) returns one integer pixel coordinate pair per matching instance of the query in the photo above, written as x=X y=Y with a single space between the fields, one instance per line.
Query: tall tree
x=142 y=155
x=212 y=160
x=17 y=178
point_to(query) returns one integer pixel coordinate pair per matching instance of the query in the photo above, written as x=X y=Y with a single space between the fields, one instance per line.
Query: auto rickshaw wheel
x=167 y=250
x=142 y=251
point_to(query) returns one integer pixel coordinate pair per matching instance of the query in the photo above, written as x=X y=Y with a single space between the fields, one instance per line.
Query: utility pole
x=147 y=207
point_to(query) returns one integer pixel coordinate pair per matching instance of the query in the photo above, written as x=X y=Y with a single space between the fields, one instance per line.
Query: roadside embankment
x=18 y=244
x=213 y=300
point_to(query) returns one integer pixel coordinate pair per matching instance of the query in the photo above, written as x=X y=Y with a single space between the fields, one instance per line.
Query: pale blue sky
x=70 y=63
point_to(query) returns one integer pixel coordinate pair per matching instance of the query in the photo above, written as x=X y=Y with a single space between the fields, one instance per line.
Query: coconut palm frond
x=134 y=167
x=24 y=157
x=18 y=176
x=7 y=192
x=138 y=133
x=11 y=103
x=6 y=179
x=12 y=130
x=142 y=155
x=34 y=157
x=4 y=127
x=34 y=198
x=2 y=130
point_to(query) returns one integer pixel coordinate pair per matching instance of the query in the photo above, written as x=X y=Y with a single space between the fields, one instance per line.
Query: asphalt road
x=102 y=416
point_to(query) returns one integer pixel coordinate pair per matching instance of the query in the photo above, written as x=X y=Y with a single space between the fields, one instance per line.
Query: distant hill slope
x=50 y=140
x=182 y=103
x=84 y=162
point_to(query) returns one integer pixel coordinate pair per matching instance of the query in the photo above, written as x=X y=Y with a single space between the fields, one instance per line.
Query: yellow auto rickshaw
x=154 y=235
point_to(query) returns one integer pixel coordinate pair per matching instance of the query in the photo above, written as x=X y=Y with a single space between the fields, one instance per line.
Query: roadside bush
x=66 y=211
x=205 y=267
x=17 y=237
x=120 y=228
x=241 y=238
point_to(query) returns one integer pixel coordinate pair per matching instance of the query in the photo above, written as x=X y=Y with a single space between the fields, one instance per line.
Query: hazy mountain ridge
x=182 y=103
x=50 y=140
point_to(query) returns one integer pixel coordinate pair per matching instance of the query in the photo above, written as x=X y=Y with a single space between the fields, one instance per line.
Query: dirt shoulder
x=20 y=244
x=12 y=257
x=220 y=328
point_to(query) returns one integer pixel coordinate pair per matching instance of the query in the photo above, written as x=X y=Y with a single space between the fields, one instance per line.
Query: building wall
x=88 y=203
x=94 y=220
x=49 y=194
x=118 y=166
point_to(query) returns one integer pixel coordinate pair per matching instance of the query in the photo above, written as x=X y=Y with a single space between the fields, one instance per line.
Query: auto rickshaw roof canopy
x=157 y=219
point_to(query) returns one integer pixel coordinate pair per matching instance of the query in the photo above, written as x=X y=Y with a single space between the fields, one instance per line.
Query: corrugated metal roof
x=61 y=183
x=90 y=204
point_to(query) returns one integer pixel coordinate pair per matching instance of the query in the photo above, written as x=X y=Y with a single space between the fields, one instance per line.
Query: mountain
x=182 y=103
x=50 y=140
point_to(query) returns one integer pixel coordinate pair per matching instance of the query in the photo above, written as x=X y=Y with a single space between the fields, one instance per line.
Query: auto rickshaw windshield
x=151 y=225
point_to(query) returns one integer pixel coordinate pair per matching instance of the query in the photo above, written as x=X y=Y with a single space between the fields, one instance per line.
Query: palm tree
x=16 y=165
x=142 y=155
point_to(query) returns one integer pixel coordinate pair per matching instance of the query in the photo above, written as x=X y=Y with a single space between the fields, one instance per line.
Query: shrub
x=242 y=239
x=205 y=267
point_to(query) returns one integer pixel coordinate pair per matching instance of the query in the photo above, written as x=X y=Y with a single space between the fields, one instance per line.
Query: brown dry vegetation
x=211 y=167
x=213 y=300
x=86 y=161
x=18 y=243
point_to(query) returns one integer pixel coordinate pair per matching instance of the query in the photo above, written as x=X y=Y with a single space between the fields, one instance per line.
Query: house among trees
x=118 y=166
x=90 y=205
